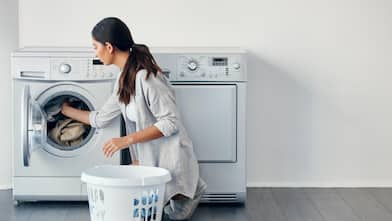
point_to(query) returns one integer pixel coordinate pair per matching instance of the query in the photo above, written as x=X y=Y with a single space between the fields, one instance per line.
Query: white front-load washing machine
x=45 y=168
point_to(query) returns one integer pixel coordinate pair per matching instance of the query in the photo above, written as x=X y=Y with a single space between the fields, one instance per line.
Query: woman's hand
x=114 y=145
x=135 y=162
x=64 y=107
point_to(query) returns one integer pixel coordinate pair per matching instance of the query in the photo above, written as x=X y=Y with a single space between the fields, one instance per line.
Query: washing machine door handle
x=33 y=126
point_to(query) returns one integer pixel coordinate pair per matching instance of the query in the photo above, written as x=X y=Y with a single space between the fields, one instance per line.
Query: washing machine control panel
x=210 y=67
x=203 y=66
x=81 y=69
x=62 y=68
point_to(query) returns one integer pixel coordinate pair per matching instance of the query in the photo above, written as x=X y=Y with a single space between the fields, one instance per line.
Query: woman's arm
x=147 y=134
x=95 y=118
x=76 y=114
x=115 y=144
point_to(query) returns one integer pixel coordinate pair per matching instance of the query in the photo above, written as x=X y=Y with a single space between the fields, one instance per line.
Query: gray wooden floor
x=275 y=204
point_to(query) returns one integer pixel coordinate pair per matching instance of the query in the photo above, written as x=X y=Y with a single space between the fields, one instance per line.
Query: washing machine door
x=33 y=126
x=90 y=136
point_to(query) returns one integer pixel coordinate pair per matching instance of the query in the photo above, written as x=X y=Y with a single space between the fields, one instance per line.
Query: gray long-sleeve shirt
x=155 y=105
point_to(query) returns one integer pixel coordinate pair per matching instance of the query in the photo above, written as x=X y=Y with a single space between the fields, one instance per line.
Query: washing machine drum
x=64 y=133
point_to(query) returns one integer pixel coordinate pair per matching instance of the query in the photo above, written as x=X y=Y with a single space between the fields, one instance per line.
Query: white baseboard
x=5 y=186
x=359 y=184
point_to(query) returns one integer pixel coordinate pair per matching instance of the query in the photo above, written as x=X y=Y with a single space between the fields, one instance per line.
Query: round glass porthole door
x=66 y=137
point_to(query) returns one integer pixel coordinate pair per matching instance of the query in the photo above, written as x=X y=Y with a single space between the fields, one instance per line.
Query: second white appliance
x=210 y=87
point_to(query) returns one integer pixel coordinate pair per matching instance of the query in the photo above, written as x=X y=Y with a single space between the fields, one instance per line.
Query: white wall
x=8 y=42
x=319 y=106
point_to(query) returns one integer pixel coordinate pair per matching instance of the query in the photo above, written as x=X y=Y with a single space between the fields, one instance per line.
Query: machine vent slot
x=219 y=198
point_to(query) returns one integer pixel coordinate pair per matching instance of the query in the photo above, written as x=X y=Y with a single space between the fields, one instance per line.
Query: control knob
x=65 y=68
x=192 y=65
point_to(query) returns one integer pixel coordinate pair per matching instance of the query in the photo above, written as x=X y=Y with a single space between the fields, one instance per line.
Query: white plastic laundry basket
x=119 y=193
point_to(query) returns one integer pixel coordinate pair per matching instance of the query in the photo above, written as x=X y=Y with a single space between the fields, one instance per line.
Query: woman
x=155 y=134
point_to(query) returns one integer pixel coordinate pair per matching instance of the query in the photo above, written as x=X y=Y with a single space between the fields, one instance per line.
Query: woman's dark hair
x=116 y=32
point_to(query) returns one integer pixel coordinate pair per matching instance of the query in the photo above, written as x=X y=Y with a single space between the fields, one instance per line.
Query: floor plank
x=365 y=205
x=331 y=206
x=295 y=205
x=49 y=211
x=383 y=196
x=262 y=206
x=78 y=212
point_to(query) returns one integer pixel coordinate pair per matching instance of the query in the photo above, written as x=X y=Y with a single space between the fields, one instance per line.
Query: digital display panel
x=219 y=61
x=97 y=62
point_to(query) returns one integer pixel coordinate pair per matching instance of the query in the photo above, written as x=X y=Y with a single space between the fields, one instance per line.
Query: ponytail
x=139 y=58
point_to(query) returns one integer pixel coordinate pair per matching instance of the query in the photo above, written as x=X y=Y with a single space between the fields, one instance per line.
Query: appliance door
x=33 y=126
x=47 y=160
x=75 y=91
x=209 y=115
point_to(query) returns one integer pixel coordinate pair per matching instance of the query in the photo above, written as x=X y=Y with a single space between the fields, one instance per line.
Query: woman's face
x=103 y=51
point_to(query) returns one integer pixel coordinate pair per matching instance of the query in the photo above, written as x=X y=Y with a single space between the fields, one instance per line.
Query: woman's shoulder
x=154 y=82
x=141 y=74
x=152 y=79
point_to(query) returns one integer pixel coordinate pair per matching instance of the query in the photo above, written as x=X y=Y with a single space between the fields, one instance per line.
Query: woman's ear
x=109 y=47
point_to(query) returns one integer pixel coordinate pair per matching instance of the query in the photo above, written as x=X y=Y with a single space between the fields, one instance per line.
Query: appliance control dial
x=65 y=68
x=192 y=65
